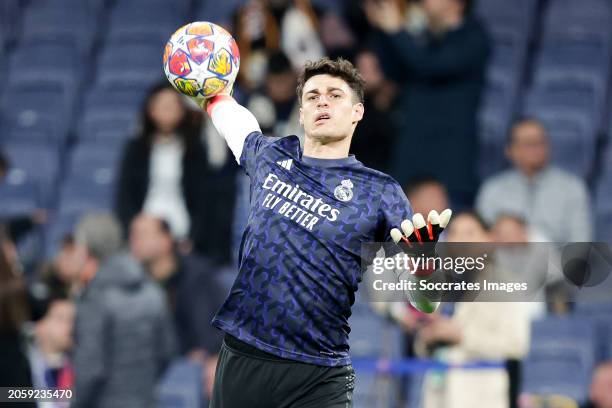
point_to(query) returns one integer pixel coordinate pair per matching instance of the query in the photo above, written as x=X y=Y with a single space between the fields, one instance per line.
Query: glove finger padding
x=418 y=230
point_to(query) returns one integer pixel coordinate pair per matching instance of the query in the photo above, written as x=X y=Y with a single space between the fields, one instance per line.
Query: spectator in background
x=60 y=275
x=442 y=75
x=190 y=284
x=14 y=311
x=123 y=331
x=276 y=108
x=600 y=392
x=264 y=26
x=49 y=353
x=164 y=170
x=477 y=331
x=373 y=138
x=426 y=194
x=553 y=202
x=162 y=166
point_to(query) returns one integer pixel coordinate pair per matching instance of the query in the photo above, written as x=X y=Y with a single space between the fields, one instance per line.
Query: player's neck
x=331 y=150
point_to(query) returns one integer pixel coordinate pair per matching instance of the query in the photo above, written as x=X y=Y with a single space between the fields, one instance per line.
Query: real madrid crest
x=344 y=192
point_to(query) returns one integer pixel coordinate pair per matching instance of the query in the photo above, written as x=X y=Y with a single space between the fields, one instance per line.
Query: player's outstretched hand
x=203 y=103
x=416 y=234
x=418 y=230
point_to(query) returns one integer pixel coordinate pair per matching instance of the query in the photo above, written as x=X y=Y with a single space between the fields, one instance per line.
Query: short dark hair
x=420 y=181
x=278 y=63
x=520 y=122
x=475 y=216
x=339 y=68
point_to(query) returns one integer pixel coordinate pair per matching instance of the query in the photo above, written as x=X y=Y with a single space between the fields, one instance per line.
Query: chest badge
x=344 y=192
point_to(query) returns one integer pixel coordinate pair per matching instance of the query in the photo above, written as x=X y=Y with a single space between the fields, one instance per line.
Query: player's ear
x=358 y=111
x=301 y=117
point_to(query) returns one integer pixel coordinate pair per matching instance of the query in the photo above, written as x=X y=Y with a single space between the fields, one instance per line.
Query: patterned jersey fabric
x=300 y=256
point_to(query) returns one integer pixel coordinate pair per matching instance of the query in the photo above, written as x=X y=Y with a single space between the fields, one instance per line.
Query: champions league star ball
x=201 y=60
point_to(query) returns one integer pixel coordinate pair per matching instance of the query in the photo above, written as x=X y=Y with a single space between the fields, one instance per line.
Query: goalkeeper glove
x=418 y=235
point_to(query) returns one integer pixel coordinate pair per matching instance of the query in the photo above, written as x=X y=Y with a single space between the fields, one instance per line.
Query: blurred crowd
x=130 y=290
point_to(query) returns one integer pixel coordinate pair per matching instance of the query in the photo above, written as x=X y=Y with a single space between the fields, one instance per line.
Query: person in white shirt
x=554 y=202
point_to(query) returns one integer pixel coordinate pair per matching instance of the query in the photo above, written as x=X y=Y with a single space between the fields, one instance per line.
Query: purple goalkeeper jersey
x=300 y=260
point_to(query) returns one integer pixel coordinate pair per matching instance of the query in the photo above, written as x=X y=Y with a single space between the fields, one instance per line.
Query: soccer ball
x=201 y=59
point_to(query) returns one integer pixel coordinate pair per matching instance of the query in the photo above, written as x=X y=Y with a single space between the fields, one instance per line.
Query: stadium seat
x=181 y=386
x=499 y=13
x=129 y=23
x=110 y=114
x=71 y=26
x=90 y=181
x=561 y=357
x=37 y=109
x=603 y=204
x=10 y=16
x=111 y=127
x=586 y=15
x=219 y=12
x=492 y=136
x=601 y=315
x=18 y=196
x=372 y=335
x=131 y=65
x=569 y=95
x=576 y=50
x=38 y=164
x=49 y=61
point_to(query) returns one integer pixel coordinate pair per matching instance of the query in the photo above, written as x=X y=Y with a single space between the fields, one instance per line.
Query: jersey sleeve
x=254 y=145
x=394 y=208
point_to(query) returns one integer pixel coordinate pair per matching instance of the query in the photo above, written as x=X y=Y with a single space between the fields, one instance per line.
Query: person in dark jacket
x=14 y=311
x=165 y=172
x=443 y=75
x=193 y=293
x=192 y=290
x=373 y=138
x=124 y=337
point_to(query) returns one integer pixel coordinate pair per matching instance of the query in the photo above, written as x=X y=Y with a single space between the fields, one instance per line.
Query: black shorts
x=250 y=378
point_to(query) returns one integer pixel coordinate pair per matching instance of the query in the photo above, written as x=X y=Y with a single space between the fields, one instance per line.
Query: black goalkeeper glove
x=420 y=237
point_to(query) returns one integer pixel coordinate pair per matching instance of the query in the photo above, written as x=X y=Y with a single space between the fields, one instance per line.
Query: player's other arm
x=233 y=121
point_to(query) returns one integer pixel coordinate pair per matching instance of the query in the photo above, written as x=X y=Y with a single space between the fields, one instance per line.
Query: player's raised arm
x=233 y=121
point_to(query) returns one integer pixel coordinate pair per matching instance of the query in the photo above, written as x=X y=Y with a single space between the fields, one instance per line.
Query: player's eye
x=336 y=96
x=312 y=97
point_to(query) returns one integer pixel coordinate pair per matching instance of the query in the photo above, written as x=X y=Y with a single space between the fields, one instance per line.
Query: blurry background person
x=275 y=105
x=124 y=336
x=51 y=347
x=529 y=258
x=442 y=75
x=600 y=391
x=60 y=275
x=552 y=201
x=165 y=171
x=426 y=194
x=373 y=139
x=14 y=312
x=477 y=331
x=191 y=288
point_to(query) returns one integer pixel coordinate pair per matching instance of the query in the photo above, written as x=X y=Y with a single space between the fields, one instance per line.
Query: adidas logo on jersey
x=285 y=164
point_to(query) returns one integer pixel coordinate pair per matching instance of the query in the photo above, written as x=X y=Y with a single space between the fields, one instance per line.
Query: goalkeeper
x=286 y=317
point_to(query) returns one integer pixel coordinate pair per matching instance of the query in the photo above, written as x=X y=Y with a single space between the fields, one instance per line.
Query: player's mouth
x=321 y=118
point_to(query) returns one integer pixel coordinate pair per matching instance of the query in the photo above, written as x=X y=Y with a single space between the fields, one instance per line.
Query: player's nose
x=322 y=101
